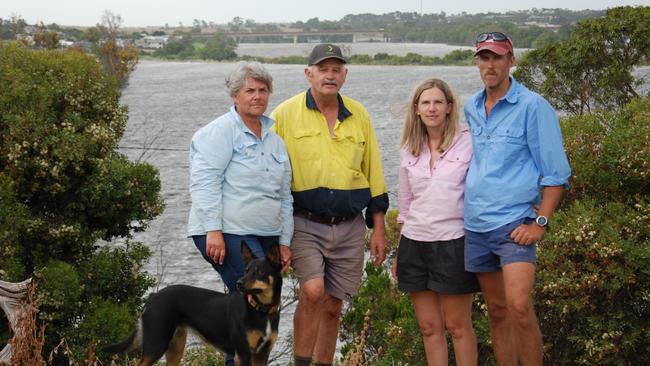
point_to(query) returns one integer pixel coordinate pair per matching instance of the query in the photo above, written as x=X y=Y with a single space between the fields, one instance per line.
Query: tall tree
x=593 y=68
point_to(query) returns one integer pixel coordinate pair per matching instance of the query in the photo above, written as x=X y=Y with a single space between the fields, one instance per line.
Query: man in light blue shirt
x=517 y=152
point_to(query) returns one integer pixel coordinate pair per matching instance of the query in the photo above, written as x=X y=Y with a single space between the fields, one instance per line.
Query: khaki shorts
x=332 y=252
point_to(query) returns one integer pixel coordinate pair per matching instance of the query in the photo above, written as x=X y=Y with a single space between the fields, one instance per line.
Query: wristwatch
x=542 y=221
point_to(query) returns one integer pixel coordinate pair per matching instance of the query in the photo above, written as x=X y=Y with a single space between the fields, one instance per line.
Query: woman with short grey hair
x=240 y=180
x=244 y=70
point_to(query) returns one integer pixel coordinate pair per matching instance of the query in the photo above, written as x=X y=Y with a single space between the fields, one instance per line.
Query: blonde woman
x=434 y=158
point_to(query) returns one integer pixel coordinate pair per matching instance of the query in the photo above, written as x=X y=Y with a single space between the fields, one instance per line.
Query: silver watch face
x=541 y=220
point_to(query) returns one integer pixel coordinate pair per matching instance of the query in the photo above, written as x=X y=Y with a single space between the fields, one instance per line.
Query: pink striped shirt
x=431 y=196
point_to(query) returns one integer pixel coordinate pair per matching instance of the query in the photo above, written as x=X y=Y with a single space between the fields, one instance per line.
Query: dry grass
x=29 y=338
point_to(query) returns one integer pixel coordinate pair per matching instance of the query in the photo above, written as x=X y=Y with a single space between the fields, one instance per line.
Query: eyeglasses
x=496 y=36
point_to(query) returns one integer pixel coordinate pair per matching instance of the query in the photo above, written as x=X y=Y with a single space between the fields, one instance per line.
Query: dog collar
x=263 y=308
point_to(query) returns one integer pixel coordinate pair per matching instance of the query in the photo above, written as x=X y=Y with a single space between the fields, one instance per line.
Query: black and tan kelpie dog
x=244 y=323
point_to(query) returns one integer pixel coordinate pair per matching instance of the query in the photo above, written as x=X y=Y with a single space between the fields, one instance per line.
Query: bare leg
x=501 y=327
x=428 y=312
x=457 y=310
x=519 y=279
x=305 y=319
x=328 y=329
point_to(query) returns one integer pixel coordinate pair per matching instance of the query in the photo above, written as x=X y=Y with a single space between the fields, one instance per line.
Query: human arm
x=210 y=153
x=544 y=139
x=286 y=213
x=527 y=234
x=378 y=239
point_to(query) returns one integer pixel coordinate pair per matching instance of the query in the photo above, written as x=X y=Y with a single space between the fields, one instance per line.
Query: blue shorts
x=489 y=251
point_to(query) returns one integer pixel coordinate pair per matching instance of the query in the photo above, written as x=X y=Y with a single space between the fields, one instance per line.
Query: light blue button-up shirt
x=239 y=183
x=517 y=150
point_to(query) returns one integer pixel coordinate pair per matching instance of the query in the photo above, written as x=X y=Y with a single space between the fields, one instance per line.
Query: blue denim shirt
x=517 y=150
x=240 y=184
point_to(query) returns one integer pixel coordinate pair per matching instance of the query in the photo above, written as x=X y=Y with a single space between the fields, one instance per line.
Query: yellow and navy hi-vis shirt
x=336 y=175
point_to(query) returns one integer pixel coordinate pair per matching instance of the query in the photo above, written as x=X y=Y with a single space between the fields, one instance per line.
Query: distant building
x=151 y=42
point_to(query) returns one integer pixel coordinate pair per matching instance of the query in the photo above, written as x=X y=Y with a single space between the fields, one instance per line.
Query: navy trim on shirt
x=343 y=112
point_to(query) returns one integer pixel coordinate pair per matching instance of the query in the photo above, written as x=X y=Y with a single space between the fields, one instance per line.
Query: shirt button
x=488 y=137
x=262 y=154
x=267 y=169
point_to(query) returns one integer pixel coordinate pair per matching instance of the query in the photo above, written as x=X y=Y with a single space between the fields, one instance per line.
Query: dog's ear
x=273 y=255
x=246 y=253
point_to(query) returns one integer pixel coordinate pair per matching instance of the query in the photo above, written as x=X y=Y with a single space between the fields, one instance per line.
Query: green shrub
x=63 y=186
x=609 y=153
x=593 y=289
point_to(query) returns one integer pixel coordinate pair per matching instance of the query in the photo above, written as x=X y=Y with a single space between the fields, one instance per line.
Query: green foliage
x=393 y=334
x=593 y=288
x=64 y=186
x=177 y=48
x=12 y=219
x=203 y=356
x=609 y=153
x=593 y=68
x=219 y=47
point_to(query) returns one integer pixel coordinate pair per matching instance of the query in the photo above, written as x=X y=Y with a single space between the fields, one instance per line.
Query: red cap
x=498 y=47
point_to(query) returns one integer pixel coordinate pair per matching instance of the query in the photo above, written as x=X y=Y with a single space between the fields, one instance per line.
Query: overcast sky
x=159 y=12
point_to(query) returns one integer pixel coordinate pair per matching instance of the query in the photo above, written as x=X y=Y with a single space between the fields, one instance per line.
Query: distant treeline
x=222 y=48
x=529 y=28
x=456 y=57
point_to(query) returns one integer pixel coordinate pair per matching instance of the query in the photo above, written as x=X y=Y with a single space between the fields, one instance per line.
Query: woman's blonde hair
x=415 y=133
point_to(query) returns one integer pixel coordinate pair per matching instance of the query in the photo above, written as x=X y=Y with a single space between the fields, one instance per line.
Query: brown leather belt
x=321 y=219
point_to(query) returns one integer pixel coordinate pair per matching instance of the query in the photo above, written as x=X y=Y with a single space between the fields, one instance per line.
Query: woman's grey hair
x=244 y=70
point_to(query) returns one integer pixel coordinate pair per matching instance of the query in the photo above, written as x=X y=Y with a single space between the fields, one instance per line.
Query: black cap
x=324 y=51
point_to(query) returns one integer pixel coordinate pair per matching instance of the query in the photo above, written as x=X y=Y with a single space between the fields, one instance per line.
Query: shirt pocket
x=512 y=144
x=244 y=151
x=354 y=148
x=307 y=144
x=455 y=166
x=512 y=135
x=419 y=175
x=275 y=167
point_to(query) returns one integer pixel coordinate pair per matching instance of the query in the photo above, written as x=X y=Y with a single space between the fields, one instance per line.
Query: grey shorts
x=332 y=252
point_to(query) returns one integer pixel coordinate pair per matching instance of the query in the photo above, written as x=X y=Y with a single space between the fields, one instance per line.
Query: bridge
x=363 y=35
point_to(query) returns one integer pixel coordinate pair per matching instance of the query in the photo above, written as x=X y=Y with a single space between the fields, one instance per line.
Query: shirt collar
x=512 y=96
x=266 y=122
x=343 y=111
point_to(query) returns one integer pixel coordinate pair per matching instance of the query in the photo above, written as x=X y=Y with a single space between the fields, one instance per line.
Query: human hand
x=215 y=246
x=527 y=234
x=378 y=246
x=285 y=257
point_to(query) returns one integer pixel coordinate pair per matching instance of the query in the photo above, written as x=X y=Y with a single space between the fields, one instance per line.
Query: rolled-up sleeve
x=545 y=143
x=210 y=153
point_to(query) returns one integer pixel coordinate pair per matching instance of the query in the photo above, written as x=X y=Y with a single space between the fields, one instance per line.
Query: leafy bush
x=593 y=287
x=609 y=153
x=63 y=186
